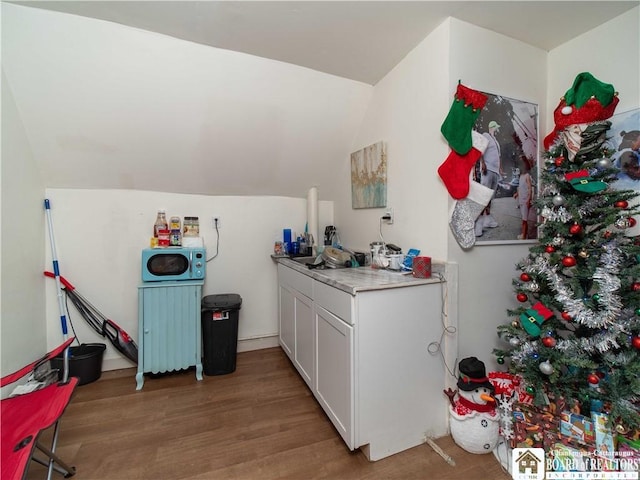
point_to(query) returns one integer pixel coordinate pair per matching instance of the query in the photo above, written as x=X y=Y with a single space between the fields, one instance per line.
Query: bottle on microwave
x=161 y=223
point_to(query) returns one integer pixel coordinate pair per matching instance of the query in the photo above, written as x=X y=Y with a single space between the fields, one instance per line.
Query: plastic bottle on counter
x=161 y=223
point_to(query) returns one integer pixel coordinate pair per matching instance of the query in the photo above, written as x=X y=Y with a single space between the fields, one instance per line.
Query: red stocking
x=456 y=168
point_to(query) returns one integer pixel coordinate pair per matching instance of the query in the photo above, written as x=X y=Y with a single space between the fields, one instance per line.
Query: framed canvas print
x=510 y=166
x=624 y=140
x=369 y=177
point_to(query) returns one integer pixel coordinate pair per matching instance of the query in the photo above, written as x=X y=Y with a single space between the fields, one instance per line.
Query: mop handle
x=56 y=271
x=65 y=282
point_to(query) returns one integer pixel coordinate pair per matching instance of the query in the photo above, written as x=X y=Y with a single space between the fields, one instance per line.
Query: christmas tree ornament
x=632 y=222
x=462 y=116
x=621 y=204
x=455 y=170
x=558 y=200
x=500 y=360
x=621 y=223
x=596 y=297
x=604 y=163
x=583 y=182
x=593 y=379
x=532 y=318
x=534 y=287
x=530 y=390
x=465 y=212
x=557 y=241
x=621 y=429
x=473 y=418
x=522 y=297
x=607 y=234
x=588 y=100
x=549 y=342
x=525 y=277
x=635 y=286
x=549 y=249
x=569 y=261
x=546 y=368
x=558 y=161
x=635 y=341
x=515 y=324
x=514 y=341
x=583 y=253
x=566 y=317
x=575 y=229
x=637 y=311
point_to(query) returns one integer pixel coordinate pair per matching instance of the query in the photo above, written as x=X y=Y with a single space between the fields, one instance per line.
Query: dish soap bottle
x=161 y=223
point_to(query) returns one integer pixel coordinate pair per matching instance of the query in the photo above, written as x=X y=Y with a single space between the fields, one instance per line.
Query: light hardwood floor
x=260 y=422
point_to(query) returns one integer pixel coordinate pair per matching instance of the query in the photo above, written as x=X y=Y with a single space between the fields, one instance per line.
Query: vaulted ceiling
x=360 y=40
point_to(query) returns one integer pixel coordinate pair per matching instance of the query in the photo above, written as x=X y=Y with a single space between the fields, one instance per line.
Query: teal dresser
x=169 y=329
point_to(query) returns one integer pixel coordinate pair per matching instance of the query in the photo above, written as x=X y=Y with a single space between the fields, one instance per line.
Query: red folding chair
x=25 y=416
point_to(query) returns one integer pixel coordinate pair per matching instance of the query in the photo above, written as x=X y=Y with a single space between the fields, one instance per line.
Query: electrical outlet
x=388 y=215
x=216 y=222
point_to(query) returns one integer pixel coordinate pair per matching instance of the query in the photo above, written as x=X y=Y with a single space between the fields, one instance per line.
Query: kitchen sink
x=303 y=260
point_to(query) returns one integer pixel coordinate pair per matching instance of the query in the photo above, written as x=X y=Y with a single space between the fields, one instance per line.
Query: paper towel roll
x=312 y=216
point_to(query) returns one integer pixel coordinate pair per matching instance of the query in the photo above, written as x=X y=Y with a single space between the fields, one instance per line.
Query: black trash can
x=220 y=315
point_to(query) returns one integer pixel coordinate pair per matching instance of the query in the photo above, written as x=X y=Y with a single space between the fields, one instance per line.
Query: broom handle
x=65 y=282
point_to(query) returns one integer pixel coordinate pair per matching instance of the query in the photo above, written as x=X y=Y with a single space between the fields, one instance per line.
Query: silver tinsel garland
x=605 y=277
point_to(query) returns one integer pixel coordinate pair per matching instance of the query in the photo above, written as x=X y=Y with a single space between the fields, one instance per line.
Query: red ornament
x=569 y=261
x=635 y=286
x=566 y=317
x=575 y=229
x=635 y=341
x=549 y=342
x=525 y=277
x=558 y=161
x=549 y=249
x=607 y=234
x=522 y=297
x=632 y=222
x=621 y=204
x=593 y=379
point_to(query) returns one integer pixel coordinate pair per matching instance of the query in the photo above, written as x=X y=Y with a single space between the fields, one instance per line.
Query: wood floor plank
x=260 y=422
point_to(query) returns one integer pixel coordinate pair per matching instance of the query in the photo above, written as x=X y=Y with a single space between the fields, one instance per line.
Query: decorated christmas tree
x=576 y=333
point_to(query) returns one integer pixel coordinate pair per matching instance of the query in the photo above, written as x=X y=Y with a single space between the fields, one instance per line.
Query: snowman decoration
x=473 y=418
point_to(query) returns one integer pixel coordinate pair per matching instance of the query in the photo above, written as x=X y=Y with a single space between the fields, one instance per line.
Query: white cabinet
x=365 y=355
x=296 y=333
x=334 y=371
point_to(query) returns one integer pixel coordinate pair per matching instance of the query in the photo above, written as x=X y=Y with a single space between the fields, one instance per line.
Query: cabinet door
x=305 y=348
x=286 y=328
x=334 y=371
x=171 y=316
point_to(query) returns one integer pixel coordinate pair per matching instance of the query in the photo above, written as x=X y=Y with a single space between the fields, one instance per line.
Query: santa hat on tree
x=588 y=100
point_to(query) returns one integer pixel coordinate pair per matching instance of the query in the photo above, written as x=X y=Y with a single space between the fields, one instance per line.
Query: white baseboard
x=244 y=345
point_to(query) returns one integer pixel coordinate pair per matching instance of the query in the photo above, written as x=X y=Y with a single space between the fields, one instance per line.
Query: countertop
x=354 y=280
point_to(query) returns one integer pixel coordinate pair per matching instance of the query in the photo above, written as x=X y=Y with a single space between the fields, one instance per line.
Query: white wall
x=100 y=233
x=405 y=112
x=492 y=63
x=113 y=107
x=22 y=300
x=611 y=52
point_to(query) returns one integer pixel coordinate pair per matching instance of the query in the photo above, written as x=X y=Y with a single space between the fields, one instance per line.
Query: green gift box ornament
x=533 y=317
x=582 y=182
